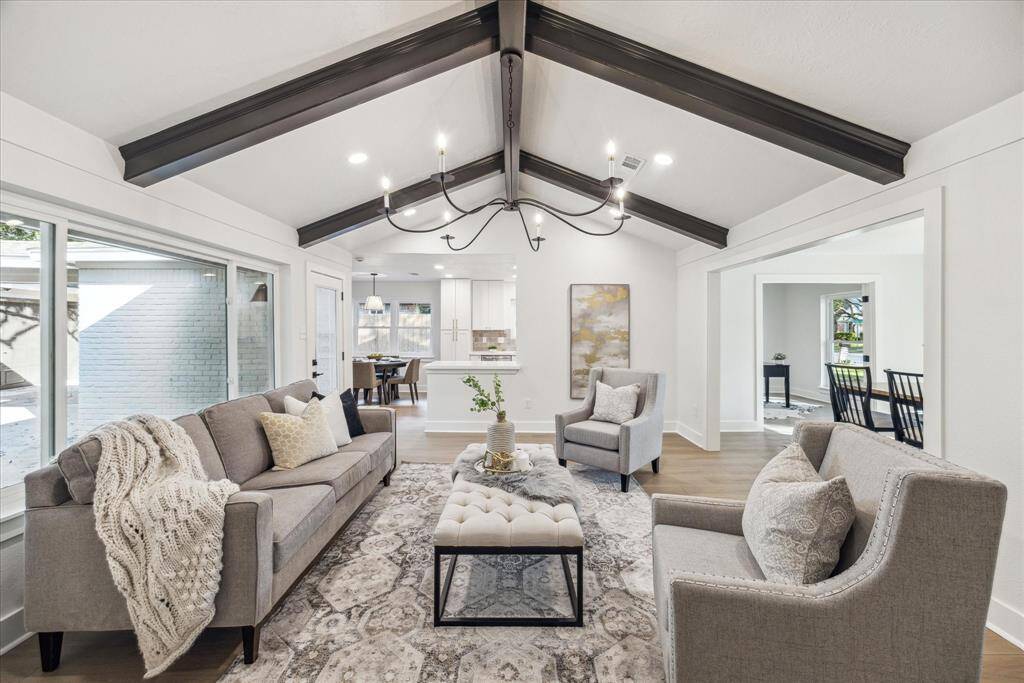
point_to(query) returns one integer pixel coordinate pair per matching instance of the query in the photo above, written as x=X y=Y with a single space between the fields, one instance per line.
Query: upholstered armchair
x=621 y=448
x=907 y=601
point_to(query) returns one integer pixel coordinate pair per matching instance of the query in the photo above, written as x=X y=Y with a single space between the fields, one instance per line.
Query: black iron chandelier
x=514 y=205
x=510 y=202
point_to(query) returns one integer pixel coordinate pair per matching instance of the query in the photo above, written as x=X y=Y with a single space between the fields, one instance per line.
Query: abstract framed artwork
x=598 y=332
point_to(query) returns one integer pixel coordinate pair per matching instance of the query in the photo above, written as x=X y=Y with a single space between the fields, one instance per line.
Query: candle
x=442 y=146
x=620 y=194
x=610 y=149
x=385 y=183
x=538 y=221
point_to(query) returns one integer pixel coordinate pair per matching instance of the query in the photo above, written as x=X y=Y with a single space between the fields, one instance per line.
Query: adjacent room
x=511 y=340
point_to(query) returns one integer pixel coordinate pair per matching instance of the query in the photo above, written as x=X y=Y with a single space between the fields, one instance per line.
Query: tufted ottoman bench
x=481 y=520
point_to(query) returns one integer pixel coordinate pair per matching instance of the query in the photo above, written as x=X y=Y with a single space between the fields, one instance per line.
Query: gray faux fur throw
x=548 y=482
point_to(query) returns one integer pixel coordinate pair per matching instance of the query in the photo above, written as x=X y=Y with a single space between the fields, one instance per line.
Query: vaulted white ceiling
x=125 y=69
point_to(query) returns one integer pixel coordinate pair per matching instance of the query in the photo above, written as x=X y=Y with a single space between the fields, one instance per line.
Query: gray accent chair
x=621 y=448
x=274 y=528
x=907 y=601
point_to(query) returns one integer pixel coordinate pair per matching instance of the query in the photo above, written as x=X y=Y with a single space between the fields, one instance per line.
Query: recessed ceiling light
x=662 y=159
x=438 y=266
x=514 y=277
x=409 y=212
x=448 y=275
x=515 y=267
x=357 y=157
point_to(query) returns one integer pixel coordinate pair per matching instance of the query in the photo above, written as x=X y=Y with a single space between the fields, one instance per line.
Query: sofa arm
x=710 y=514
x=246 y=581
x=563 y=420
x=378 y=419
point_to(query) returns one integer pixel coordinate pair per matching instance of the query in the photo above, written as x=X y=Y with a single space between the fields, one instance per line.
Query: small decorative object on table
x=779 y=357
x=501 y=434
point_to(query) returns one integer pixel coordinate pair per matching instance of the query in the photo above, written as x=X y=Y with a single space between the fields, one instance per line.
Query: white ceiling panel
x=718 y=174
x=305 y=175
x=906 y=69
x=123 y=69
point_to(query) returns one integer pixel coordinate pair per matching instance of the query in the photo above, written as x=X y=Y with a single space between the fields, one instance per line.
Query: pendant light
x=374 y=304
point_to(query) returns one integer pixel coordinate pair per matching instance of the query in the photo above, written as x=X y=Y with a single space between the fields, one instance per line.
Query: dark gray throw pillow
x=348 y=403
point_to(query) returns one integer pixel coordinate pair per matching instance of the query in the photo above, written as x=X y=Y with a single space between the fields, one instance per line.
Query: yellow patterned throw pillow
x=298 y=439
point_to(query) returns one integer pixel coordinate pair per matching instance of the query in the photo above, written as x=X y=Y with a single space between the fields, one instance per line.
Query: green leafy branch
x=483 y=401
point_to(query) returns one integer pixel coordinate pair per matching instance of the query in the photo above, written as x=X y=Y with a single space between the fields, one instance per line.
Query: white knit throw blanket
x=162 y=525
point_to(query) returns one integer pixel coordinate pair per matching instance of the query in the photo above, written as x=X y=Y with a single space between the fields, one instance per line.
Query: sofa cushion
x=794 y=521
x=615 y=404
x=303 y=390
x=333 y=410
x=594 y=433
x=235 y=428
x=355 y=423
x=341 y=471
x=298 y=513
x=678 y=548
x=380 y=445
x=196 y=429
x=79 y=462
x=298 y=439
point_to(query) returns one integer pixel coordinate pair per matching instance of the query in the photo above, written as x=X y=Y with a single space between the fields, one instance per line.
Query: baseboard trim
x=690 y=434
x=522 y=427
x=741 y=426
x=12 y=631
x=1006 y=621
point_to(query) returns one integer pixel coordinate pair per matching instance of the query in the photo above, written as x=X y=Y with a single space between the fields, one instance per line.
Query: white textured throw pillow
x=298 y=439
x=616 y=405
x=335 y=412
x=795 y=522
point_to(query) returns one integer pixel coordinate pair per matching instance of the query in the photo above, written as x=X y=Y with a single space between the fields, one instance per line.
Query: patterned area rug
x=365 y=612
x=777 y=410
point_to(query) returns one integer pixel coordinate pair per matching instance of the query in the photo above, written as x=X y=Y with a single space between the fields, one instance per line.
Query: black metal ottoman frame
x=441 y=594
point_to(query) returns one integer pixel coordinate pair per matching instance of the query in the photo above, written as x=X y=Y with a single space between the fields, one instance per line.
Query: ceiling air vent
x=633 y=163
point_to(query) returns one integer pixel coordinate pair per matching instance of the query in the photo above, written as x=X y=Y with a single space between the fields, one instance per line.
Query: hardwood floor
x=685 y=469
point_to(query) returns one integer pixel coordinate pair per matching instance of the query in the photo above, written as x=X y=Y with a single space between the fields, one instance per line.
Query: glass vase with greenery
x=483 y=401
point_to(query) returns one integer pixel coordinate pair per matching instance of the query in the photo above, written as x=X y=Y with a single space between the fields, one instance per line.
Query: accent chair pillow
x=335 y=412
x=616 y=405
x=348 y=402
x=794 y=521
x=298 y=439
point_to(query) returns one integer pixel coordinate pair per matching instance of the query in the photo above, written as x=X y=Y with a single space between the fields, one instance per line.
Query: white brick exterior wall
x=162 y=351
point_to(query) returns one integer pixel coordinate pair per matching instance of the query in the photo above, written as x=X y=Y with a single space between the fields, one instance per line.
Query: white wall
x=408 y=292
x=542 y=305
x=970 y=178
x=46 y=161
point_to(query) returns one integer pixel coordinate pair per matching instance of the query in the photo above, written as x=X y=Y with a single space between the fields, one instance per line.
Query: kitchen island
x=449 y=401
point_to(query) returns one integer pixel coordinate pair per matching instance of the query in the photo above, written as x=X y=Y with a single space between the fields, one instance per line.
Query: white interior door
x=327 y=339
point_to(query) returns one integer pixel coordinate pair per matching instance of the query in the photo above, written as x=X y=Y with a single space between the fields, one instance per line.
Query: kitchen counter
x=462 y=367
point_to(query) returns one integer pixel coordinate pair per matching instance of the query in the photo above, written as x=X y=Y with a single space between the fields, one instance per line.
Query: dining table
x=388 y=368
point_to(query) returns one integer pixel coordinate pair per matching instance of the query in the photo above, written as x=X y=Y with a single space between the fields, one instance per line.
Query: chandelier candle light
x=509 y=204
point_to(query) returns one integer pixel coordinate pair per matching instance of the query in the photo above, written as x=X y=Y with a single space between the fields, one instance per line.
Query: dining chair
x=906 y=405
x=364 y=376
x=411 y=377
x=849 y=389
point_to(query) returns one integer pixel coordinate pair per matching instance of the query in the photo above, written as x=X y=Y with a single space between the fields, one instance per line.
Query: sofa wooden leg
x=251 y=643
x=624 y=480
x=562 y=462
x=656 y=465
x=49 y=649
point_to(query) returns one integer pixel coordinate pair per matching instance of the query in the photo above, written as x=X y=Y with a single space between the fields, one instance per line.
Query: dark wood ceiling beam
x=713 y=96
x=312 y=97
x=649 y=210
x=512 y=45
x=369 y=212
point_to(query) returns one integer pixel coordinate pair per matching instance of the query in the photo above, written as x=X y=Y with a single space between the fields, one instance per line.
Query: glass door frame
x=318 y=275
x=53 y=288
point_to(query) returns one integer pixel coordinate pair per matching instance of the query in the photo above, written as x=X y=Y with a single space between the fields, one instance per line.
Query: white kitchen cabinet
x=480 y=289
x=492 y=300
x=456 y=304
x=456 y=344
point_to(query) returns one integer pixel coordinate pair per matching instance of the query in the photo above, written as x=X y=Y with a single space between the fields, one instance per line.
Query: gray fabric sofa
x=907 y=601
x=621 y=448
x=274 y=528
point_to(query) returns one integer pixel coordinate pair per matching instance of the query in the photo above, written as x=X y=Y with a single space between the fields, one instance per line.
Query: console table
x=776 y=370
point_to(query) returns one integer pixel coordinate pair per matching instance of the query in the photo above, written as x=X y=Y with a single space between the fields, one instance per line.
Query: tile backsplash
x=501 y=339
